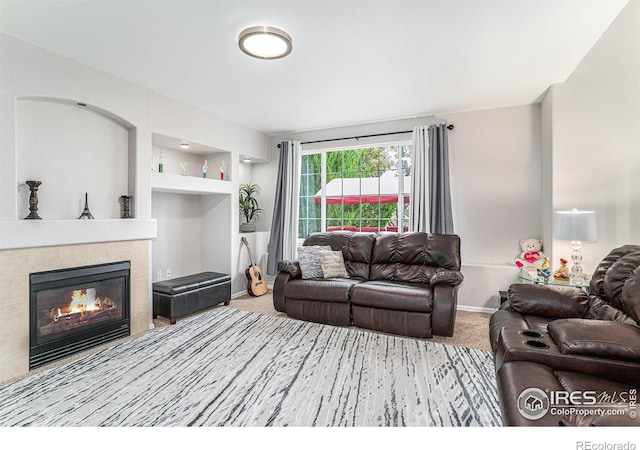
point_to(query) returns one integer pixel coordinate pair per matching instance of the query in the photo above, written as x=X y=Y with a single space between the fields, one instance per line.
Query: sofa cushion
x=330 y=290
x=309 y=260
x=621 y=271
x=413 y=256
x=597 y=283
x=599 y=338
x=548 y=301
x=396 y=295
x=332 y=264
x=356 y=249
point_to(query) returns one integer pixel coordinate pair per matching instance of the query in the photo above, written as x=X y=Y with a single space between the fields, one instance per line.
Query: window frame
x=401 y=144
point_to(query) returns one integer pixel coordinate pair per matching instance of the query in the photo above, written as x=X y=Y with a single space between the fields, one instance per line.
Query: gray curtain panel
x=430 y=191
x=282 y=240
x=419 y=181
x=441 y=218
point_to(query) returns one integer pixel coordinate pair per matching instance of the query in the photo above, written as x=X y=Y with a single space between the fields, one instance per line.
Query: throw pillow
x=309 y=260
x=333 y=264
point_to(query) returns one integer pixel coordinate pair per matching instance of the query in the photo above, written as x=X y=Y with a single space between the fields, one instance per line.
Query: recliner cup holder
x=531 y=334
x=536 y=344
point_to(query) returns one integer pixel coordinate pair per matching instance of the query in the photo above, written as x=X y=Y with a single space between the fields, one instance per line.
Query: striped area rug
x=227 y=367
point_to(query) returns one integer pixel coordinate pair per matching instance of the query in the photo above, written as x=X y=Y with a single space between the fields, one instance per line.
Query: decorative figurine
x=126 y=202
x=33 y=199
x=183 y=168
x=86 y=214
x=204 y=168
x=543 y=270
x=160 y=163
x=222 y=169
x=562 y=273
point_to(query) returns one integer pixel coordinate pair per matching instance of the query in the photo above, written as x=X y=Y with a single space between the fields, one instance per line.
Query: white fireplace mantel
x=43 y=233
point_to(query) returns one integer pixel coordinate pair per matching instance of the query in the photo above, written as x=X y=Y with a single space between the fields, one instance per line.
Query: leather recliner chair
x=581 y=350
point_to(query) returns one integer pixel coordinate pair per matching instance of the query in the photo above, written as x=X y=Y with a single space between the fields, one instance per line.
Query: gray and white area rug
x=227 y=367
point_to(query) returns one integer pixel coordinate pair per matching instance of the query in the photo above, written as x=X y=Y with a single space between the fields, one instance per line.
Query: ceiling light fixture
x=246 y=159
x=184 y=146
x=265 y=42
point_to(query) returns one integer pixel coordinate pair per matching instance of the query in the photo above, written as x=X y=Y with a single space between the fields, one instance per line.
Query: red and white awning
x=353 y=191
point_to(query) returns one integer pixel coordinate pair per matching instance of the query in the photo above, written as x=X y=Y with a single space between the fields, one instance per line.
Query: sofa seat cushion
x=394 y=295
x=326 y=290
x=599 y=338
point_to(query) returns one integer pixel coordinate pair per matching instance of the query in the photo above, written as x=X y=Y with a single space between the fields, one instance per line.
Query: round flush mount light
x=184 y=146
x=265 y=42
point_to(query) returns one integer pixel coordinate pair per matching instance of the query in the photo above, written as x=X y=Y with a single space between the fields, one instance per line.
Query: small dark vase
x=33 y=199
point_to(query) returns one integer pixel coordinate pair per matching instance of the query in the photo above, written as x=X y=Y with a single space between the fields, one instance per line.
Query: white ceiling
x=352 y=61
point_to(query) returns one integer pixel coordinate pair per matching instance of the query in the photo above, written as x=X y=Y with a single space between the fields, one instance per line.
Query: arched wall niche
x=73 y=148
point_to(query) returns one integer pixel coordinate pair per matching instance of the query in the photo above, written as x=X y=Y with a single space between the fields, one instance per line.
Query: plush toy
x=532 y=256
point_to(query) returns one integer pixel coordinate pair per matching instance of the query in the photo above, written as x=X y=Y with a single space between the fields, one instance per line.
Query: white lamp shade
x=575 y=225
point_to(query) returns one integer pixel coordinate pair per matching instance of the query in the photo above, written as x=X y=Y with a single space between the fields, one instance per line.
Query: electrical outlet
x=159 y=275
x=168 y=273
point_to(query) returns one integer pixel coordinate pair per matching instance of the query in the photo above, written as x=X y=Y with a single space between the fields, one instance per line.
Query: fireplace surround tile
x=15 y=290
x=44 y=258
x=120 y=251
x=73 y=255
x=14 y=262
x=98 y=253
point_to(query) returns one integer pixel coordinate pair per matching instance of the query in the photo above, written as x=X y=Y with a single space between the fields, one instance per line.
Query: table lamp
x=576 y=226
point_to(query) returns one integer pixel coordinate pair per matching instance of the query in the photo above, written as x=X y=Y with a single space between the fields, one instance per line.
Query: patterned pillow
x=309 y=260
x=333 y=264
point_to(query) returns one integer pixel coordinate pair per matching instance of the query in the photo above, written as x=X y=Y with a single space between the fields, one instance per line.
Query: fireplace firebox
x=75 y=309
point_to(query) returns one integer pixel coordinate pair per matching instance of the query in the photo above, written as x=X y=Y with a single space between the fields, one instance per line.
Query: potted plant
x=249 y=206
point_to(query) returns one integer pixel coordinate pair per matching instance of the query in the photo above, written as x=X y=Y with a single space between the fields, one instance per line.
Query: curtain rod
x=449 y=127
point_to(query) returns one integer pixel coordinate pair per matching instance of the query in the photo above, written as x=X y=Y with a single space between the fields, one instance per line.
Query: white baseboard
x=480 y=309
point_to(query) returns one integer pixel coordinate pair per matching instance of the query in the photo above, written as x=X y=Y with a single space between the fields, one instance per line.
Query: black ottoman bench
x=182 y=296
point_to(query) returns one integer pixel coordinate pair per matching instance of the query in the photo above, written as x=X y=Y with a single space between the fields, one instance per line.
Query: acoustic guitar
x=256 y=285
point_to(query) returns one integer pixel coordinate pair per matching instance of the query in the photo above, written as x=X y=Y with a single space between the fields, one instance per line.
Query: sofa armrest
x=548 y=301
x=291 y=267
x=445 y=276
x=445 y=303
x=597 y=338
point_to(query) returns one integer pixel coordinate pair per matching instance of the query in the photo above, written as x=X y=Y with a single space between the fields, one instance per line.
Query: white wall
x=596 y=139
x=178 y=245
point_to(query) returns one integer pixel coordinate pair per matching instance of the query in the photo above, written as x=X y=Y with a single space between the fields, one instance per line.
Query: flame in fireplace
x=84 y=300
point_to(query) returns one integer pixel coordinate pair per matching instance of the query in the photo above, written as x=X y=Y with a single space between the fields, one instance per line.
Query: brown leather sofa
x=399 y=283
x=567 y=357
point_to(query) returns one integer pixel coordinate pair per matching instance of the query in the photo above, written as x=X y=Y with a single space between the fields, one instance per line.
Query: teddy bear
x=532 y=256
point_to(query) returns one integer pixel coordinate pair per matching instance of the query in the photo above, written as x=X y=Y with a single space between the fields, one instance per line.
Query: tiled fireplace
x=16 y=265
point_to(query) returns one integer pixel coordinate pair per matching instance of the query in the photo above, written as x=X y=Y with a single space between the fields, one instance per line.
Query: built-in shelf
x=181 y=184
x=44 y=233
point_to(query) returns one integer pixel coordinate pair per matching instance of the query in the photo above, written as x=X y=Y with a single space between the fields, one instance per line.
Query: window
x=357 y=189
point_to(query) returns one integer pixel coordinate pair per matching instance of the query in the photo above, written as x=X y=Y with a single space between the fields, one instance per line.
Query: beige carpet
x=471 y=329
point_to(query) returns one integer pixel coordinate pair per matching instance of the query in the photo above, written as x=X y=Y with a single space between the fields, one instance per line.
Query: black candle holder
x=33 y=199
x=126 y=205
